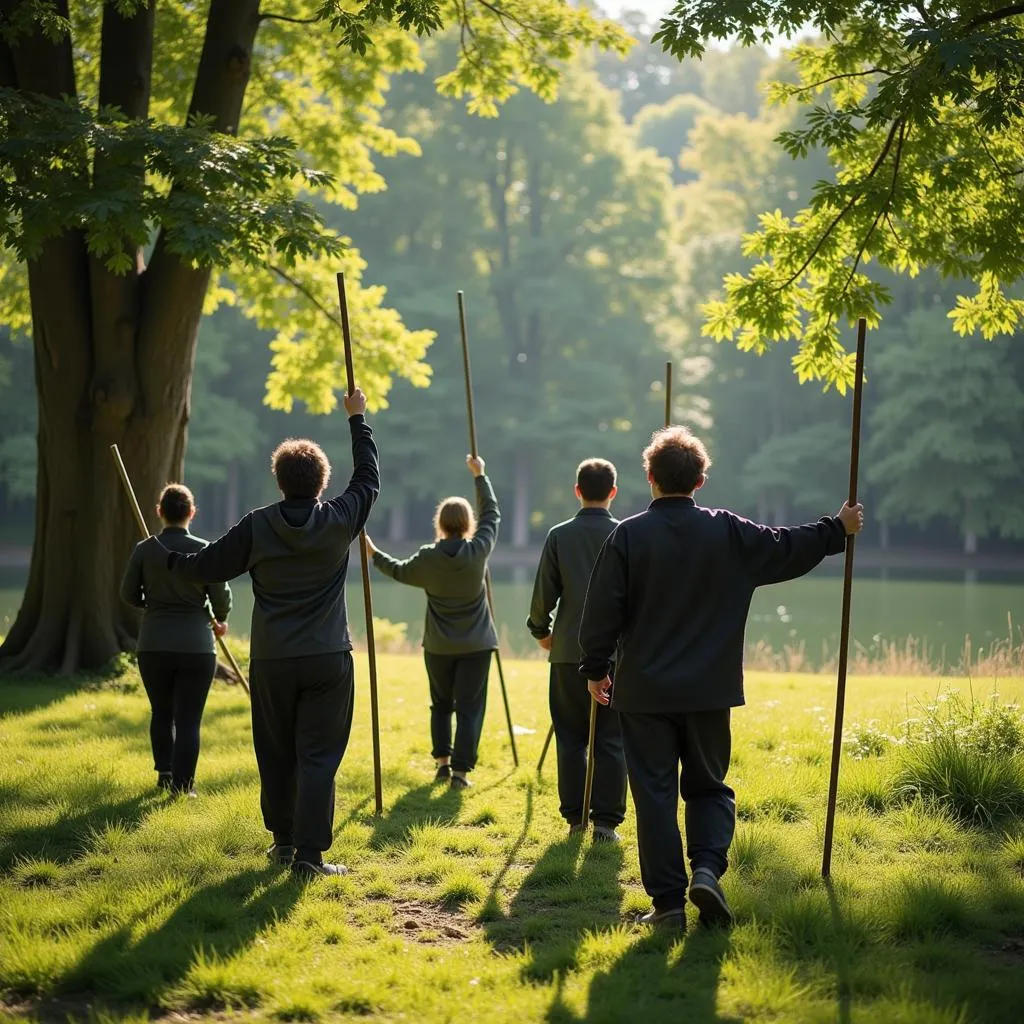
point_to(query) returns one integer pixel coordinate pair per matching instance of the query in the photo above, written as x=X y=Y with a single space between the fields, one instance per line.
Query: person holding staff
x=566 y=562
x=459 y=634
x=176 y=646
x=301 y=672
x=668 y=600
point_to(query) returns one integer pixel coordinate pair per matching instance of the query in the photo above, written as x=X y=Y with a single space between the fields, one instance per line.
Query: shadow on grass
x=215 y=922
x=429 y=802
x=20 y=695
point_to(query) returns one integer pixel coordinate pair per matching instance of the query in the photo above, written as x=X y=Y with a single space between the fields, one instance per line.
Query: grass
x=116 y=904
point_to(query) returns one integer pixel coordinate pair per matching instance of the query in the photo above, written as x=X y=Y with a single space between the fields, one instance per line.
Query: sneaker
x=460 y=782
x=182 y=791
x=675 y=917
x=606 y=834
x=163 y=780
x=281 y=853
x=307 y=869
x=444 y=773
x=707 y=896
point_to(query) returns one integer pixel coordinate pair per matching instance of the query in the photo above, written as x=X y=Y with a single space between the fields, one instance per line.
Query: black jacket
x=671 y=590
x=296 y=552
x=452 y=574
x=175 y=616
x=568 y=558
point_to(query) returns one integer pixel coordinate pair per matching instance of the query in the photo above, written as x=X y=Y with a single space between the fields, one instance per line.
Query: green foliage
x=921 y=116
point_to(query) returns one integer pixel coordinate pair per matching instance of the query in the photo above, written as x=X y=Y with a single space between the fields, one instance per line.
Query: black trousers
x=177 y=685
x=301 y=720
x=570 y=702
x=458 y=684
x=656 y=746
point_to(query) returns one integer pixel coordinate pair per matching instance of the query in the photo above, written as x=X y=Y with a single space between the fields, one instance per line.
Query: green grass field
x=117 y=904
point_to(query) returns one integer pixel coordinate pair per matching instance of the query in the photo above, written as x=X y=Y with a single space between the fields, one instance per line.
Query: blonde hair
x=454 y=518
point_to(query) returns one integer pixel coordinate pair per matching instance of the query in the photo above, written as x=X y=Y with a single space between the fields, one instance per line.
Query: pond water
x=939 y=614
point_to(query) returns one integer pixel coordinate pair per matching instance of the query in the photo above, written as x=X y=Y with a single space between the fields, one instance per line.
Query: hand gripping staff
x=371 y=649
x=844 y=635
x=144 y=530
x=487 y=574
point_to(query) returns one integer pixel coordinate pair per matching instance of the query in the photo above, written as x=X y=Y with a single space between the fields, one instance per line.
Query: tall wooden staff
x=144 y=530
x=844 y=635
x=371 y=649
x=487 y=574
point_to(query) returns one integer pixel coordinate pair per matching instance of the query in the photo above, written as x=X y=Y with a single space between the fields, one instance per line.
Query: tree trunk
x=113 y=361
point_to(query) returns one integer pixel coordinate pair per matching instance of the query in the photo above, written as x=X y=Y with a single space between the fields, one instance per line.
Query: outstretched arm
x=412 y=571
x=355 y=503
x=776 y=554
x=547 y=589
x=223 y=560
x=604 y=612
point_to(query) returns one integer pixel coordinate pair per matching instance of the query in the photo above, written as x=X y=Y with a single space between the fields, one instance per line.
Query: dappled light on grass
x=477 y=905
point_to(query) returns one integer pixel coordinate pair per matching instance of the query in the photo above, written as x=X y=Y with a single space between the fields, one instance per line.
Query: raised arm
x=220 y=561
x=132 y=591
x=355 y=502
x=604 y=612
x=776 y=554
x=488 y=515
x=547 y=589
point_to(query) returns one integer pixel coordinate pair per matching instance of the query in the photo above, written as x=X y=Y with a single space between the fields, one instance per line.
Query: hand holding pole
x=144 y=530
x=371 y=649
x=844 y=635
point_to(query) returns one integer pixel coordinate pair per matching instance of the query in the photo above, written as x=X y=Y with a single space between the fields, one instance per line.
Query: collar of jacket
x=682 y=501
x=182 y=530
x=595 y=512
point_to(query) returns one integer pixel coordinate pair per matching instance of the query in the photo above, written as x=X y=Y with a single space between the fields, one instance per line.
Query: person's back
x=559 y=590
x=301 y=671
x=669 y=597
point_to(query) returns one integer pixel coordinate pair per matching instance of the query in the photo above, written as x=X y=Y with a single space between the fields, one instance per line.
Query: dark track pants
x=656 y=745
x=301 y=720
x=570 y=702
x=177 y=685
x=458 y=685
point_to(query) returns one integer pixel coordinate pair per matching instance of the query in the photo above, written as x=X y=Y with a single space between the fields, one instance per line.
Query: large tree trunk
x=114 y=359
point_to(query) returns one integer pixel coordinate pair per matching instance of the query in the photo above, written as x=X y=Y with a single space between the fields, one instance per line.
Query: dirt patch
x=1010 y=952
x=429 y=923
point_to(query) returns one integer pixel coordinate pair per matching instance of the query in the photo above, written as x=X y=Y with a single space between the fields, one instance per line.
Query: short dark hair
x=595 y=479
x=300 y=467
x=176 y=503
x=676 y=460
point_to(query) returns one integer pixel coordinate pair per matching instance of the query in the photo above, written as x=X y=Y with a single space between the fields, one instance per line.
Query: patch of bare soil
x=428 y=923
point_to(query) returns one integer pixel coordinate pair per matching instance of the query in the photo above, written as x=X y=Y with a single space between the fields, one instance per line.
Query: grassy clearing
x=116 y=904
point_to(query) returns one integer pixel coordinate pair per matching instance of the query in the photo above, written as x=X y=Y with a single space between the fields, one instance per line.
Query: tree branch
x=270 y=16
x=837 y=78
x=1000 y=14
x=304 y=291
x=896 y=126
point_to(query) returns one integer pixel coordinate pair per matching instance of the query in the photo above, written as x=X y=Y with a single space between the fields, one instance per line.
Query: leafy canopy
x=921 y=110
x=253 y=206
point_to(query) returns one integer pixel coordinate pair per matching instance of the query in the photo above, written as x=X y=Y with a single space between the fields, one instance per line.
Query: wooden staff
x=371 y=649
x=668 y=394
x=844 y=635
x=487 y=572
x=588 y=785
x=144 y=530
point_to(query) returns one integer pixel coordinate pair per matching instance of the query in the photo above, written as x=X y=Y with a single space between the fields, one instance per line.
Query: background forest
x=586 y=234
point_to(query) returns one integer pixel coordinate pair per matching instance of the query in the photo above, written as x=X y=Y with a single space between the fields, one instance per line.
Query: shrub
x=868 y=740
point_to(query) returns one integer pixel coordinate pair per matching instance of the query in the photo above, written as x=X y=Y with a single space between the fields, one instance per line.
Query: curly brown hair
x=300 y=467
x=676 y=460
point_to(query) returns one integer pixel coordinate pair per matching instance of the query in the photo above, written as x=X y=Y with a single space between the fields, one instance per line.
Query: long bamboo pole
x=844 y=635
x=144 y=530
x=371 y=647
x=471 y=414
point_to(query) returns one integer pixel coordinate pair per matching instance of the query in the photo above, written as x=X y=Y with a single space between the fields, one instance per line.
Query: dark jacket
x=175 y=616
x=296 y=552
x=568 y=558
x=452 y=573
x=671 y=590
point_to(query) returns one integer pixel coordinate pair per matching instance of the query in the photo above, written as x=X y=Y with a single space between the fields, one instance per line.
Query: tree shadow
x=427 y=803
x=23 y=695
x=215 y=922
